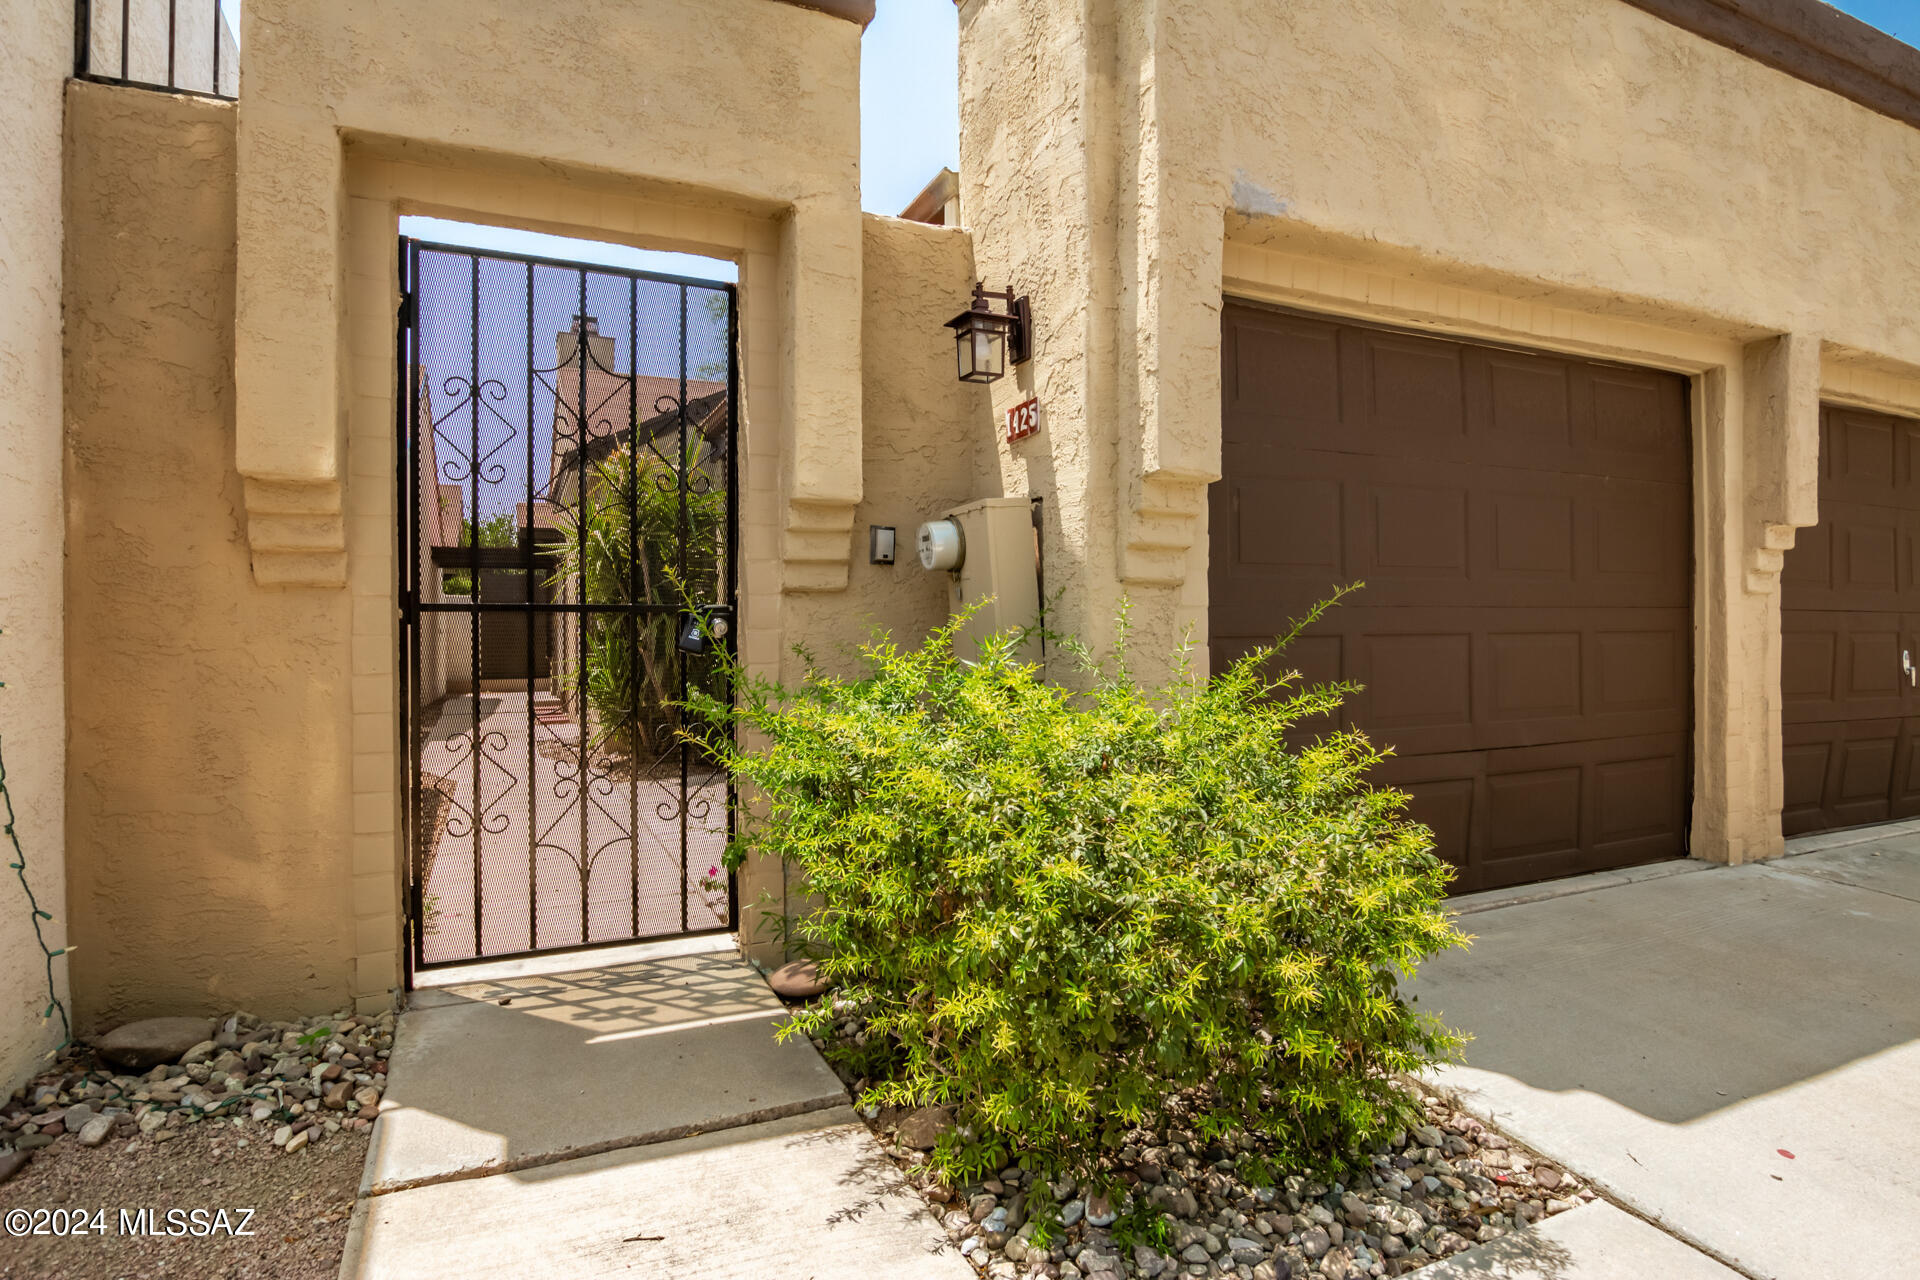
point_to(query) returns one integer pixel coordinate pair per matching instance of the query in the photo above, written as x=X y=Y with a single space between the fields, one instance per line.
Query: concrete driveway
x=1731 y=1053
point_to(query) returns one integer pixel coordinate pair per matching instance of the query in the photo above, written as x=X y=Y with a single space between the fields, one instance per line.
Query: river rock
x=921 y=1130
x=800 y=980
x=138 y=1046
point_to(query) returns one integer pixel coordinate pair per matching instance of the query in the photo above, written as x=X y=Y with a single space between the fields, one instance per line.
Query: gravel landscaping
x=1199 y=1208
x=235 y=1113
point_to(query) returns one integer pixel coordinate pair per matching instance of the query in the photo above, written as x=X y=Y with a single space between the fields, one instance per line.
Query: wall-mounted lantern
x=986 y=340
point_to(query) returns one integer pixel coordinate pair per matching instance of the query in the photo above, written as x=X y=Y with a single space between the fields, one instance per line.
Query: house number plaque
x=1023 y=419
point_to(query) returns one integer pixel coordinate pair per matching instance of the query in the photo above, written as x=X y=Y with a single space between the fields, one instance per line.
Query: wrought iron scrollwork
x=556 y=799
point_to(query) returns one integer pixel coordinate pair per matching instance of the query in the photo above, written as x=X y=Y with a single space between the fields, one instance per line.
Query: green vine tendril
x=19 y=865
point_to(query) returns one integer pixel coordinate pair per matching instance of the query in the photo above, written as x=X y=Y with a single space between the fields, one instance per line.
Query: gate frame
x=408 y=405
x=385 y=180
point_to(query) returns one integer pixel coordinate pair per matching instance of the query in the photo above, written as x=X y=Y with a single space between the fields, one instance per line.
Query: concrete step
x=507 y=1075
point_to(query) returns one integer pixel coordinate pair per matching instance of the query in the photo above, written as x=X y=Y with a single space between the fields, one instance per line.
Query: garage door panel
x=1637 y=414
x=1448 y=678
x=1445 y=807
x=1635 y=528
x=1530 y=403
x=1452 y=533
x=1860 y=455
x=1843 y=665
x=1866 y=560
x=1639 y=798
x=1446 y=793
x=1642 y=672
x=1271 y=360
x=1291 y=524
x=1906 y=772
x=1806 y=756
x=1523 y=524
x=1872 y=682
x=1414 y=385
x=1416 y=531
x=1536 y=811
x=1808 y=573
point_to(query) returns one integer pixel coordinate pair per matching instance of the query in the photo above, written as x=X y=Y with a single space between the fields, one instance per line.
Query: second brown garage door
x=1522 y=522
x=1850 y=632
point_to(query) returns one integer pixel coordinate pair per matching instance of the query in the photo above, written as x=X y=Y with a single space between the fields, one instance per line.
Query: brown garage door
x=1849 y=614
x=1522 y=522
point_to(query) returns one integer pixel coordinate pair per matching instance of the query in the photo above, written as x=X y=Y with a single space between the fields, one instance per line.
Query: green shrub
x=637 y=518
x=1062 y=912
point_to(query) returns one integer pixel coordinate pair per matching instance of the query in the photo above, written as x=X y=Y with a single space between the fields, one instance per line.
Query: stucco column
x=820 y=348
x=1758 y=483
x=1782 y=456
x=288 y=431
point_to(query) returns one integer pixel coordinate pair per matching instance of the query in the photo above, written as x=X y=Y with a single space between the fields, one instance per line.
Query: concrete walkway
x=634 y=1119
x=1732 y=1054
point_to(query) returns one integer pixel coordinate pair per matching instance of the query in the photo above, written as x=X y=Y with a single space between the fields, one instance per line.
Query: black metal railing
x=175 y=46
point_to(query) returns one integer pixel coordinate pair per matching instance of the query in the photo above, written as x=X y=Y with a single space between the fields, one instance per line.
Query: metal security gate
x=566 y=496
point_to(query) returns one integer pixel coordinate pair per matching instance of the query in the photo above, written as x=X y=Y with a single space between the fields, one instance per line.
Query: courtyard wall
x=39 y=53
x=208 y=715
x=234 y=753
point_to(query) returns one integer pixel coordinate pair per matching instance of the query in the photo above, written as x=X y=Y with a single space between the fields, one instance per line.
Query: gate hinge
x=405 y=314
x=409 y=605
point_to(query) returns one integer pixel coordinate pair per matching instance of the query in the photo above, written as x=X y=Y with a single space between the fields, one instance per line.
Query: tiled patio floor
x=512 y=881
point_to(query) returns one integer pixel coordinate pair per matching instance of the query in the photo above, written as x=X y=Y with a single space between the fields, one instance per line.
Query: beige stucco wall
x=1570 y=174
x=32 y=724
x=926 y=438
x=649 y=94
x=924 y=434
x=209 y=717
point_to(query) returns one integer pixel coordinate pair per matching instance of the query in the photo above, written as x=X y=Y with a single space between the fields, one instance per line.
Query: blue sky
x=910 y=120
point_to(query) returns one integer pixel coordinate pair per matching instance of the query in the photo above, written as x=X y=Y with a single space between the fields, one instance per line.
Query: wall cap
x=860 y=11
x=1810 y=41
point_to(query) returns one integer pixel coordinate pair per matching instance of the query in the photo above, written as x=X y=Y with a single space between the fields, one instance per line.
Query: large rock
x=800 y=980
x=12 y=1162
x=921 y=1130
x=152 y=1041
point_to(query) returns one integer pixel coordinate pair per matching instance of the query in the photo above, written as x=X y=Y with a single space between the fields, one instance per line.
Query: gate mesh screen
x=567 y=492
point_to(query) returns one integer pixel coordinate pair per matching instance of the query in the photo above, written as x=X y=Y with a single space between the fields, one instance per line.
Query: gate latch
x=1906 y=665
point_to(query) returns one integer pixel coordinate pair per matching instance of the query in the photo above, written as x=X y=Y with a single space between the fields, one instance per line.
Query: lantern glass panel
x=989 y=351
x=980 y=349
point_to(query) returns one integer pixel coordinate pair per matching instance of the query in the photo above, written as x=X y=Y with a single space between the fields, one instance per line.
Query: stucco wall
x=1581 y=142
x=1036 y=87
x=924 y=437
x=209 y=716
x=923 y=433
x=39 y=52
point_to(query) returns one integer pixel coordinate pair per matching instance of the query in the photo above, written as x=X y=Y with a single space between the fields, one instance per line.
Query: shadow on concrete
x=636 y=1118
x=1520 y=1255
x=1681 y=996
x=500 y=1076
